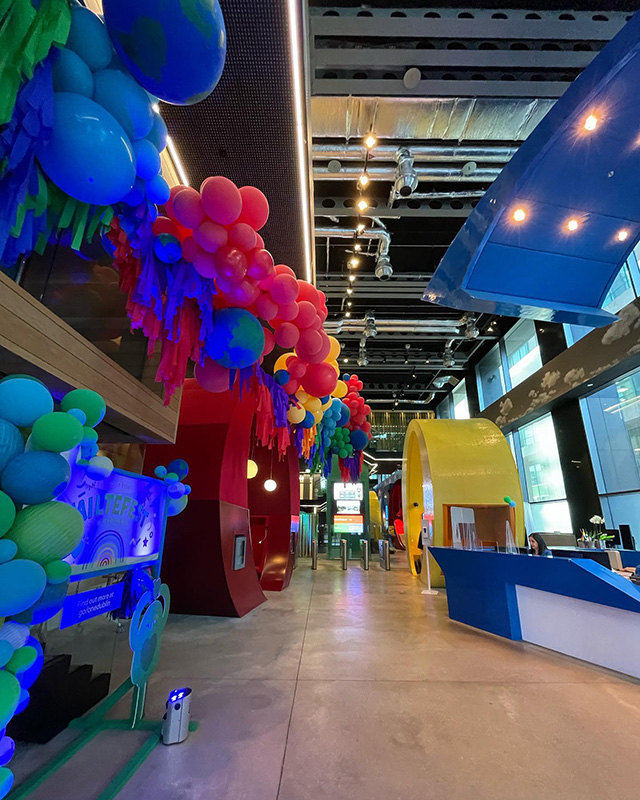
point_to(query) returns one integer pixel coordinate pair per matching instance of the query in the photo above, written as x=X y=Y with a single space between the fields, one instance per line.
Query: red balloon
x=309 y=293
x=260 y=264
x=283 y=269
x=255 y=207
x=174 y=191
x=296 y=368
x=292 y=386
x=205 y=264
x=283 y=289
x=305 y=319
x=231 y=263
x=210 y=236
x=266 y=307
x=354 y=377
x=269 y=341
x=242 y=236
x=359 y=419
x=164 y=225
x=221 y=200
x=187 y=208
x=189 y=248
x=287 y=335
x=212 y=377
x=367 y=409
x=288 y=312
x=320 y=379
x=366 y=427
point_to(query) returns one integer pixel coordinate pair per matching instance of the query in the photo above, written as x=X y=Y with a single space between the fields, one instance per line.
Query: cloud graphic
x=575 y=377
x=549 y=379
x=629 y=321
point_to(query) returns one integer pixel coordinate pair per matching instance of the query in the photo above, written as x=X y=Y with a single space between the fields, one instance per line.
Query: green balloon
x=506 y=499
x=57 y=571
x=89 y=436
x=56 y=432
x=22 y=659
x=7 y=513
x=342 y=453
x=88 y=401
x=47 y=532
x=9 y=697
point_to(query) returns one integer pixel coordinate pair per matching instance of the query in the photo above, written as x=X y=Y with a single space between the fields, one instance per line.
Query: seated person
x=538 y=546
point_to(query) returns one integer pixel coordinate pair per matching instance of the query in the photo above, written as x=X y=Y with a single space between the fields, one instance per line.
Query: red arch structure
x=200 y=561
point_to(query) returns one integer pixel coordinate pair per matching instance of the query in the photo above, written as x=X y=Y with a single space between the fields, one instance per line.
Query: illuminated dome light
x=622 y=235
x=573 y=225
x=519 y=215
x=270 y=485
x=590 y=123
x=252 y=469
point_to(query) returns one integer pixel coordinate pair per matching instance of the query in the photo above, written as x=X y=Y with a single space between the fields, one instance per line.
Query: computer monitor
x=626 y=537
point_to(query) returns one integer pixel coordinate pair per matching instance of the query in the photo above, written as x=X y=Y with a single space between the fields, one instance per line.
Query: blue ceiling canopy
x=549 y=237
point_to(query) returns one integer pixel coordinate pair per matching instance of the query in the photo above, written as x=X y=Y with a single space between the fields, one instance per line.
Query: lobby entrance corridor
x=355 y=686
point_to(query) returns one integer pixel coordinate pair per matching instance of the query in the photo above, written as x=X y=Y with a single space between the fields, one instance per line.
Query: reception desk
x=575 y=606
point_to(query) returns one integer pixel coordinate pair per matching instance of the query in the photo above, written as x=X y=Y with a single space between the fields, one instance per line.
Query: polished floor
x=355 y=686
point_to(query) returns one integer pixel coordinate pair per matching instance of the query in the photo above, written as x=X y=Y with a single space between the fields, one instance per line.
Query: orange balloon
x=334 y=352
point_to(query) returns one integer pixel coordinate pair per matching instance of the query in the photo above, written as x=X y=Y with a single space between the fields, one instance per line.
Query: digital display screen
x=124 y=517
x=348 y=491
x=348 y=523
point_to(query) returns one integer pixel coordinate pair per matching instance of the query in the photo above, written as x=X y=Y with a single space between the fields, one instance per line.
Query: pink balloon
x=322 y=313
x=242 y=236
x=259 y=242
x=283 y=289
x=231 y=263
x=296 y=368
x=283 y=269
x=189 y=248
x=174 y=191
x=325 y=347
x=210 y=236
x=260 y=264
x=245 y=292
x=224 y=286
x=309 y=293
x=221 y=200
x=288 y=312
x=204 y=264
x=316 y=324
x=187 y=208
x=310 y=343
x=212 y=377
x=305 y=319
x=255 y=207
x=266 y=307
x=269 y=342
x=287 y=335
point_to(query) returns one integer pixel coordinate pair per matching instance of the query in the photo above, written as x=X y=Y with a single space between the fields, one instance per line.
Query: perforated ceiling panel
x=246 y=129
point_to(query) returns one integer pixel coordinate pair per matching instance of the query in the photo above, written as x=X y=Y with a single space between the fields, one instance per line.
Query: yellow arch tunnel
x=458 y=464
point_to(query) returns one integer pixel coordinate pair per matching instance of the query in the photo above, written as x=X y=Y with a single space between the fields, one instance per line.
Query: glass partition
x=459 y=401
x=490 y=378
x=523 y=351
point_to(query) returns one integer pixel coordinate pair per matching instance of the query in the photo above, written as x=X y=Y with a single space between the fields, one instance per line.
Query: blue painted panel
x=537 y=268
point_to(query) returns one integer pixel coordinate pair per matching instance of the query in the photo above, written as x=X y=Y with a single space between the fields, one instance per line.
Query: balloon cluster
x=358 y=424
x=36 y=531
x=178 y=492
x=341 y=443
x=510 y=502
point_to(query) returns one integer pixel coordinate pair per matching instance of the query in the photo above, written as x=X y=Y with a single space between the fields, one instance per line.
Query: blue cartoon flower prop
x=147 y=624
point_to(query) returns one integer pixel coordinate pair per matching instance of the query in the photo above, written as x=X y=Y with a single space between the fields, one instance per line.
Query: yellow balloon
x=302 y=396
x=326 y=405
x=252 y=469
x=281 y=363
x=313 y=404
x=340 y=390
x=335 y=349
x=318 y=416
x=296 y=415
x=334 y=364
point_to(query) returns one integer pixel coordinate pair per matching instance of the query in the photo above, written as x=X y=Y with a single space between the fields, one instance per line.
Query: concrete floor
x=355 y=686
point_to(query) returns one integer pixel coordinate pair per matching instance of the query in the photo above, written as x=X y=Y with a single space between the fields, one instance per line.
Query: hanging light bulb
x=363 y=205
x=353 y=262
x=363 y=180
x=360 y=227
x=347 y=314
x=349 y=304
x=270 y=485
x=252 y=469
x=357 y=247
x=352 y=278
x=370 y=141
x=349 y=290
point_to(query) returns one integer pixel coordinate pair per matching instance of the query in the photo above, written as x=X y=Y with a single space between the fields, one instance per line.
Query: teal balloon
x=160 y=472
x=11 y=443
x=158 y=134
x=35 y=477
x=175 y=49
x=180 y=467
x=72 y=159
x=6 y=781
x=8 y=550
x=9 y=697
x=6 y=652
x=88 y=38
x=71 y=74
x=15 y=633
x=22 y=582
x=23 y=399
x=176 y=504
x=124 y=100
x=46 y=532
x=158 y=190
x=147 y=159
x=237 y=339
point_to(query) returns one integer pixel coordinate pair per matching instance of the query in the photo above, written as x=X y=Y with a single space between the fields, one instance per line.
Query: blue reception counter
x=574 y=606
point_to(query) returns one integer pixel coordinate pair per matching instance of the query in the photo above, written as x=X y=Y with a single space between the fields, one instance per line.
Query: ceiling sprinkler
x=406 y=176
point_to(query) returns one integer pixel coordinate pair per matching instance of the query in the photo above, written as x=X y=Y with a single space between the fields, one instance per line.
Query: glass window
x=443 y=410
x=459 y=401
x=542 y=472
x=523 y=352
x=490 y=378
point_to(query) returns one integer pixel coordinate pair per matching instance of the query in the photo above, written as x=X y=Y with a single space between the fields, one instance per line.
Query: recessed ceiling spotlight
x=622 y=235
x=363 y=180
x=370 y=141
x=363 y=205
x=572 y=225
x=519 y=215
x=590 y=123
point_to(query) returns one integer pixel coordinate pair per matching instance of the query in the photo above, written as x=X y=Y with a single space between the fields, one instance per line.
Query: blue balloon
x=158 y=190
x=23 y=399
x=167 y=248
x=11 y=442
x=160 y=472
x=176 y=50
x=88 y=38
x=125 y=100
x=8 y=550
x=176 y=505
x=153 y=211
x=158 y=134
x=147 y=159
x=71 y=158
x=24 y=700
x=237 y=339
x=35 y=477
x=28 y=677
x=70 y=73
x=309 y=420
x=359 y=439
x=7 y=749
x=136 y=196
x=281 y=377
x=22 y=583
x=180 y=467
x=345 y=415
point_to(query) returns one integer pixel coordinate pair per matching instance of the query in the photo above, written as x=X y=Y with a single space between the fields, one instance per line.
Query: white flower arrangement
x=596 y=520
